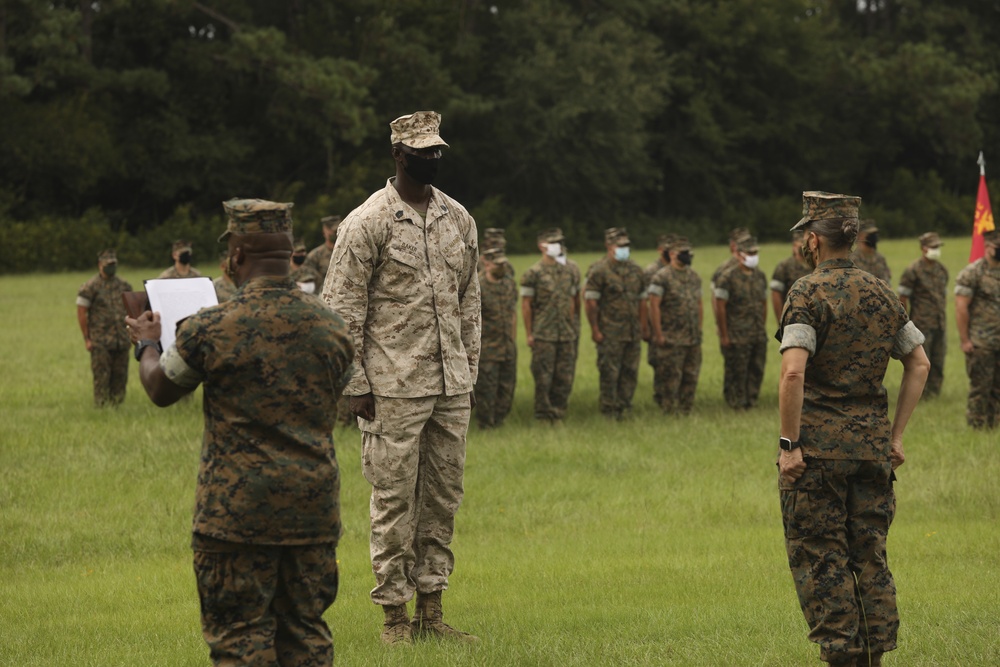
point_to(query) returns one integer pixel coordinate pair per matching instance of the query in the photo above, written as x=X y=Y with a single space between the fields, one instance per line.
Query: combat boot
x=428 y=621
x=874 y=661
x=396 y=629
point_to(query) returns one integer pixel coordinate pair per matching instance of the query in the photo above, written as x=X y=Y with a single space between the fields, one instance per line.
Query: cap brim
x=426 y=142
x=800 y=224
x=225 y=235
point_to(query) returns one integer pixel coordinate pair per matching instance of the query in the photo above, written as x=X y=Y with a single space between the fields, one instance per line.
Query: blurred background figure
x=101 y=315
x=923 y=289
x=182 y=254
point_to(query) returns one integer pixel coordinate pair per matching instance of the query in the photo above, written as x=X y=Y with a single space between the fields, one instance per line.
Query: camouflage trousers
x=983 y=369
x=413 y=455
x=743 y=373
x=618 y=366
x=263 y=605
x=836 y=518
x=653 y=359
x=110 y=370
x=935 y=345
x=553 y=366
x=677 y=372
x=495 y=391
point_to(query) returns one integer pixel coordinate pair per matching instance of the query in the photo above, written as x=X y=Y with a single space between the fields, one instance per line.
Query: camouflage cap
x=495 y=255
x=551 y=235
x=417 y=130
x=493 y=237
x=738 y=233
x=180 y=245
x=992 y=237
x=931 y=240
x=680 y=243
x=331 y=222
x=107 y=255
x=616 y=236
x=256 y=216
x=747 y=244
x=664 y=240
x=867 y=226
x=817 y=205
x=299 y=246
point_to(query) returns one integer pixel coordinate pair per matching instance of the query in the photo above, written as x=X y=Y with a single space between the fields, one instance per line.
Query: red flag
x=983 y=220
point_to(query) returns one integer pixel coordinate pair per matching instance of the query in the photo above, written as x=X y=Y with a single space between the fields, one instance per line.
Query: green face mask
x=110 y=269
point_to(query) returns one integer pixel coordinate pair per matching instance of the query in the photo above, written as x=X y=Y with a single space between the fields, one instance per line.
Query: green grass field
x=655 y=541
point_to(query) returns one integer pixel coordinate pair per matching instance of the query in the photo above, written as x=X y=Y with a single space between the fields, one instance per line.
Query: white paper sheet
x=177 y=298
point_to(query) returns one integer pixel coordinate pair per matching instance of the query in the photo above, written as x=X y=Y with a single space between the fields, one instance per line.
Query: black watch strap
x=143 y=344
x=786 y=444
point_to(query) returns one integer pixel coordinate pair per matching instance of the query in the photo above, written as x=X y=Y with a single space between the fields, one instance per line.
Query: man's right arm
x=159 y=387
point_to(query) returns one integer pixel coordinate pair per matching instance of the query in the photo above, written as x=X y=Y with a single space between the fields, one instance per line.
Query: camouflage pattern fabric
x=618 y=366
x=172 y=273
x=283 y=590
x=745 y=295
x=786 y=273
x=925 y=284
x=852 y=324
x=982 y=285
x=836 y=518
x=679 y=292
x=256 y=216
x=417 y=130
x=318 y=262
x=498 y=357
x=743 y=374
x=874 y=263
x=819 y=205
x=552 y=288
x=344 y=416
x=553 y=367
x=224 y=289
x=983 y=407
x=413 y=455
x=303 y=275
x=652 y=350
x=679 y=368
x=495 y=391
x=409 y=291
x=102 y=297
x=730 y=263
x=618 y=288
x=272 y=362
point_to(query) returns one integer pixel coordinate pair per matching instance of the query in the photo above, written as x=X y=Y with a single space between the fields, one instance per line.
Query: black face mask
x=184 y=257
x=996 y=254
x=298 y=259
x=422 y=170
x=685 y=257
x=110 y=269
x=872 y=240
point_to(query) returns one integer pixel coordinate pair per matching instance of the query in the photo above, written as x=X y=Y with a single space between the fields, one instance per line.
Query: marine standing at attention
x=404 y=277
x=100 y=313
x=837 y=447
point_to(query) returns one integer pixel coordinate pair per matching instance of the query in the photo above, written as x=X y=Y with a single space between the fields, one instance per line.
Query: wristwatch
x=786 y=444
x=143 y=344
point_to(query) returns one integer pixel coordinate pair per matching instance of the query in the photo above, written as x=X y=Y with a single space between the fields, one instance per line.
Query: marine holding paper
x=272 y=362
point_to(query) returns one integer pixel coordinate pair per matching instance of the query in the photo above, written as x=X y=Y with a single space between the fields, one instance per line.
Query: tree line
x=134 y=119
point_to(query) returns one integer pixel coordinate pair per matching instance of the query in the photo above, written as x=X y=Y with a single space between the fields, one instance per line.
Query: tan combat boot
x=428 y=621
x=396 y=629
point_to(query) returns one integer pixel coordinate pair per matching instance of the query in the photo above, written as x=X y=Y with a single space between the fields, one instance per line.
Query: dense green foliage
x=688 y=115
x=651 y=542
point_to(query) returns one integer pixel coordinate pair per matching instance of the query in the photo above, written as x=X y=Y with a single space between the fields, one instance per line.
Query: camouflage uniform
x=272 y=362
x=498 y=356
x=874 y=263
x=981 y=284
x=408 y=288
x=925 y=284
x=652 y=351
x=618 y=288
x=172 y=273
x=837 y=515
x=552 y=289
x=303 y=275
x=786 y=273
x=318 y=263
x=745 y=301
x=102 y=298
x=679 y=360
x=224 y=289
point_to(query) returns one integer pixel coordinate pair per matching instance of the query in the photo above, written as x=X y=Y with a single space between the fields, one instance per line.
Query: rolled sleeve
x=83 y=301
x=904 y=291
x=528 y=292
x=655 y=290
x=592 y=295
x=777 y=286
x=177 y=370
x=799 y=335
x=908 y=339
x=962 y=290
x=721 y=294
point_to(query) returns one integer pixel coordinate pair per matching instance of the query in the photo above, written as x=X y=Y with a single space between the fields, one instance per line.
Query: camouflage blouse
x=102 y=297
x=272 y=361
x=618 y=288
x=982 y=284
x=679 y=291
x=851 y=324
x=925 y=284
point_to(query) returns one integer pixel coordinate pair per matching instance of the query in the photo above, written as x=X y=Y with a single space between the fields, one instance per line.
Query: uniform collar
x=403 y=211
x=843 y=263
x=268 y=282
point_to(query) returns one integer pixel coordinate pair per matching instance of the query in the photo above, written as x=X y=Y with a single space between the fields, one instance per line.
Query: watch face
x=785 y=444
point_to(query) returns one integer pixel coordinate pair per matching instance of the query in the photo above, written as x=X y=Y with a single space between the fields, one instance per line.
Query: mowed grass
x=655 y=541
